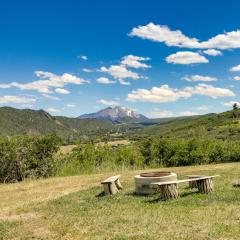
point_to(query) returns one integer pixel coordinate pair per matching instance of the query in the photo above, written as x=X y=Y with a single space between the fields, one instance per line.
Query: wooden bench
x=112 y=185
x=193 y=184
x=169 y=190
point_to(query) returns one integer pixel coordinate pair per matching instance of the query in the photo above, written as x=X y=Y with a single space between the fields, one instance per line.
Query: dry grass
x=115 y=143
x=68 y=208
x=66 y=149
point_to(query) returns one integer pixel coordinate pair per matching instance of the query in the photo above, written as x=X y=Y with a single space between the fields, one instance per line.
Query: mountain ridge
x=116 y=113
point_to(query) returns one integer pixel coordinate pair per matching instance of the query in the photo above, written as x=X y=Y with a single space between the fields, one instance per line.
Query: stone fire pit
x=143 y=181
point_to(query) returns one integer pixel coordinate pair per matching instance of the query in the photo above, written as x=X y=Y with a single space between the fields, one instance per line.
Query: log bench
x=193 y=184
x=112 y=185
x=169 y=190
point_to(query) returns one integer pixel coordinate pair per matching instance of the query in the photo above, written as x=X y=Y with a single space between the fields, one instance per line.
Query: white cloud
x=161 y=33
x=186 y=57
x=123 y=82
x=104 y=80
x=198 y=78
x=120 y=72
x=62 y=91
x=187 y=114
x=213 y=52
x=237 y=78
x=47 y=81
x=156 y=113
x=108 y=102
x=164 y=93
x=230 y=104
x=135 y=61
x=83 y=57
x=160 y=94
x=51 y=97
x=235 y=69
x=16 y=99
x=202 y=108
x=87 y=70
x=3 y=86
x=210 y=91
x=53 y=110
x=71 y=105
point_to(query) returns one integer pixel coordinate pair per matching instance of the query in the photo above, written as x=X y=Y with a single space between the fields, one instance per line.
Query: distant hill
x=224 y=125
x=37 y=122
x=116 y=114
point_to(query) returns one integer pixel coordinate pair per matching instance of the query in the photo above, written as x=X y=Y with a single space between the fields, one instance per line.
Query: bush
x=23 y=156
x=171 y=152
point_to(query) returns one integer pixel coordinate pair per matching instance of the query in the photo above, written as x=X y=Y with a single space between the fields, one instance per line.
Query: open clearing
x=71 y=208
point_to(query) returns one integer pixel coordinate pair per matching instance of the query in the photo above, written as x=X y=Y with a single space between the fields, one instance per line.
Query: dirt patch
x=42 y=232
x=19 y=217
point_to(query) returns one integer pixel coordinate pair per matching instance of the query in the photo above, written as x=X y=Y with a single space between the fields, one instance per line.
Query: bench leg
x=169 y=191
x=205 y=185
x=118 y=184
x=193 y=184
x=110 y=188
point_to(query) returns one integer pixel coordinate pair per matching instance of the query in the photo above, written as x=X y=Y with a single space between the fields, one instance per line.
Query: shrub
x=23 y=156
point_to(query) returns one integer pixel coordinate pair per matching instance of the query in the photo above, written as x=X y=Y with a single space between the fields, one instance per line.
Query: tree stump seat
x=112 y=185
x=193 y=184
x=169 y=190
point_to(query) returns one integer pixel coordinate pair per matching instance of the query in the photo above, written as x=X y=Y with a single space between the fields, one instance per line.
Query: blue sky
x=162 y=58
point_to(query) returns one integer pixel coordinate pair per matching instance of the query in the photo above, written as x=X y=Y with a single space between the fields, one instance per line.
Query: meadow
x=74 y=208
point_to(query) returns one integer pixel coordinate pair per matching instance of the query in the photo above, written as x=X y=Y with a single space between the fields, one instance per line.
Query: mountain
x=224 y=125
x=37 y=122
x=116 y=114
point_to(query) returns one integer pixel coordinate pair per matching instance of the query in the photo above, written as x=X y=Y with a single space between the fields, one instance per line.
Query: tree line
x=37 y=157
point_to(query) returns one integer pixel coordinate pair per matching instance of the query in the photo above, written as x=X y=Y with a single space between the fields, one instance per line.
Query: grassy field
x=68 y=148
x=71 y=208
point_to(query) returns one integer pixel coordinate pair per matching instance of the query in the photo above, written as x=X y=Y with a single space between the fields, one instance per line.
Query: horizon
x=73 y=58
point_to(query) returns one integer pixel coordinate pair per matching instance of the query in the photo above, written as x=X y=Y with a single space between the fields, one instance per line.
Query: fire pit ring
x=143 y=180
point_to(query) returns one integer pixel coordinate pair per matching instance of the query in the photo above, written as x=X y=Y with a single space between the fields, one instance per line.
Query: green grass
x=71 y=208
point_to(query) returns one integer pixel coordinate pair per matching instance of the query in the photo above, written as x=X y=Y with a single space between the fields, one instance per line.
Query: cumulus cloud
x=123 y=82
x=135 y=61
x=187 y=114
x=160 y=94
x=213 y=52
x=210 y=91
x=16 y=99
x=235 y=68
x=186 y=57
x=3 y=86
x=51 y=97
x=202 y=108
x=48 y=81
x=162 y=33
x=53 y=110
x=104 y=80
x=120 y=72
x=164 y=93
x=108 y=102
x=237 y=78
x=83 y=57
x=157 y=113
x=71 y=105
x=62 y=91
x=87 y=70
x=230 y=103
x=198 y=78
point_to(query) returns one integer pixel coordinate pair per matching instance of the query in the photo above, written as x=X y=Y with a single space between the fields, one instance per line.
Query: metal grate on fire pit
x=155 y=174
